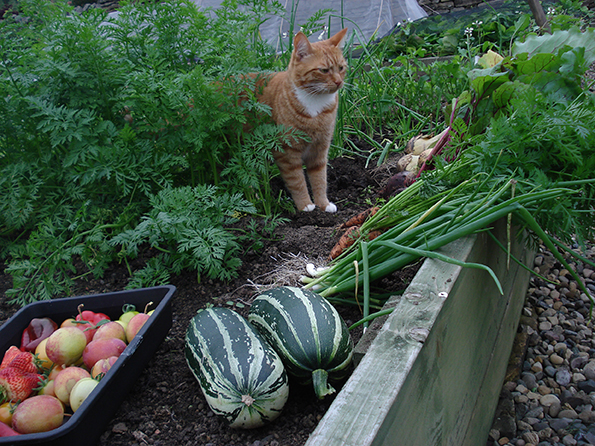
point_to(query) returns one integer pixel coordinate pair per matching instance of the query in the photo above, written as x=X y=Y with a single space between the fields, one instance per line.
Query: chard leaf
x=536 y=64
x=505 y=92
x=486 y=85
x=552 y=43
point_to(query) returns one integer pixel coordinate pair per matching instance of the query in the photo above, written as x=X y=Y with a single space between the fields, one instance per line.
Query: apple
x=70 y=322
x=135 y=324
x=110 y=330
x=44 y=361
x=66 y=380
x=84 y=326
x=101 y=349
x=48 y=388
x=123 y=324
x=65 y=345
x=102 y=366
x=81 y=391
x=125 y=317
x=40 y=413
x=55 y=370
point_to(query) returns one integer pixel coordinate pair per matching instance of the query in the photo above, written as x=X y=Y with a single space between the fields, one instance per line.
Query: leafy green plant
x=188 y=226
x=126 y=135
x=520 y=145
x=377 y=99
x=51 y=259
x=102 y=114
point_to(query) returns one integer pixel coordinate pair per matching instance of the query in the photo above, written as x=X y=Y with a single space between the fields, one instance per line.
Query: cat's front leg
x=293 y=176
x=317 y=176
x=296 y=183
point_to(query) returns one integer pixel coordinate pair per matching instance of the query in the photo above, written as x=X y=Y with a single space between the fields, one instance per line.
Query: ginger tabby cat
x=305 y=97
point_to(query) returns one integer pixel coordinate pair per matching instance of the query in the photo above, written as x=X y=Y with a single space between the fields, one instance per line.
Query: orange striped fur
x=305 y=97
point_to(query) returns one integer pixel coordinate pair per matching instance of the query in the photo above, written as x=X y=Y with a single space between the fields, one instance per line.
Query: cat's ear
x=302 y=46
x=338 y=39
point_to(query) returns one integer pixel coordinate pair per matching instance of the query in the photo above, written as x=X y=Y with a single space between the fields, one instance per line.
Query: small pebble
x=554 y=409
x=589 y=370
x=578 y=377
x=556 y=360
x=545 y=326
x=563 y=377
x=587 y=386
x=529 y=378
x=548 y=400
x=568 y=413
x=530 y=437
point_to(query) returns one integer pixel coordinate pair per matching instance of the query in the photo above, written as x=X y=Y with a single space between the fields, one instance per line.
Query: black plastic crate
x=87 y=424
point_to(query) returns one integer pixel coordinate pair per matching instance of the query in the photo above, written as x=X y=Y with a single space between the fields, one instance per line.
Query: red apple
x=40 y=413
x=101 y=349
x=135 y=324
x=102 y=366
x=65 y=345
x=66 y=380
x=110 y=330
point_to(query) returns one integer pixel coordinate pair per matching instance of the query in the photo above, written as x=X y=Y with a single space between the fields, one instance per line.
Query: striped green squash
x=241 y=376
x=307 y=332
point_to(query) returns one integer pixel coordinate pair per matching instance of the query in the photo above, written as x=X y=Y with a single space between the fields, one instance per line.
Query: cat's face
x=318 y=68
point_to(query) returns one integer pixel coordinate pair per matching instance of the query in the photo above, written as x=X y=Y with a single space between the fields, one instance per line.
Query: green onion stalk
x=415 y=227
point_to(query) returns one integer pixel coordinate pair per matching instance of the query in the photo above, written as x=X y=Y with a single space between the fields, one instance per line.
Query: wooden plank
x=437 y=362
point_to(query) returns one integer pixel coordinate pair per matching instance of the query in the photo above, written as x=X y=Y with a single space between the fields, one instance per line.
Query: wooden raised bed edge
x=432 y=373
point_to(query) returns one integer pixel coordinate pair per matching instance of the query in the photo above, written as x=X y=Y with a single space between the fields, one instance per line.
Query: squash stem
x=321 y=385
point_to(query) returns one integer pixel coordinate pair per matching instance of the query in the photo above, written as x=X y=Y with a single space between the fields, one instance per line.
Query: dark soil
x=166 y=405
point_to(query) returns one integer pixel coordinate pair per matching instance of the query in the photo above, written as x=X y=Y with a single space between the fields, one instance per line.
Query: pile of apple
x=57 y=367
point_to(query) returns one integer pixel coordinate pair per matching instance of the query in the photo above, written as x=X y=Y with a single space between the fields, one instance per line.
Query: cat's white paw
x=331 y=207
x=309 y=208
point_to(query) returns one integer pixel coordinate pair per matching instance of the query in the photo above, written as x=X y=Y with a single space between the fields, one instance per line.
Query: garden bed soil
x=166 y=405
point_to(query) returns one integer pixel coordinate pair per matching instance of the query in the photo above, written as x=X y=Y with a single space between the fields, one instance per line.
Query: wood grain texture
x=434 y=371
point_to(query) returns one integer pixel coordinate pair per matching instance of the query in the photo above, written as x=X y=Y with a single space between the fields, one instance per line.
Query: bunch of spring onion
x=415 y=226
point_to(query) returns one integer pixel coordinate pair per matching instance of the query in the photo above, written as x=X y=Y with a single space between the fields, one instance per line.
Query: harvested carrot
x=373 y=234
x=352 y=233
x=360 y=218
x=347 y=239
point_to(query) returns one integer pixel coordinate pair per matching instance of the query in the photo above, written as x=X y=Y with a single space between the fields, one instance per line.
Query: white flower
x=469 y=31
x=478 y=23
x=551 y=10
x=324 y=30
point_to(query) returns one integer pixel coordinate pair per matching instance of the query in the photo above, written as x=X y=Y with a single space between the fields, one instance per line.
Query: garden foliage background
x=125 y=131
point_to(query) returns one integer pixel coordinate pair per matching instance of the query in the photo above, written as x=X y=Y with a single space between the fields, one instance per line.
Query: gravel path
x=548 y=397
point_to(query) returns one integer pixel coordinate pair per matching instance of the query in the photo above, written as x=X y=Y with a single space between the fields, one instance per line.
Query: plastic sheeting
x=367 y=19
